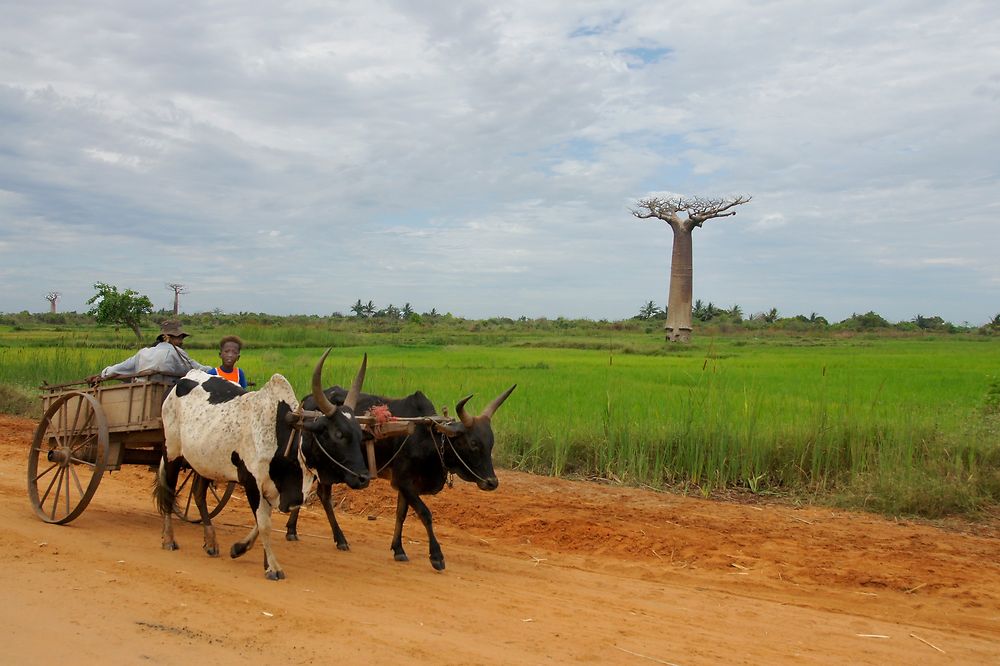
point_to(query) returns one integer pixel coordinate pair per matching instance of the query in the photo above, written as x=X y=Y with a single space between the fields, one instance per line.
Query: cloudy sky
x=481 y=157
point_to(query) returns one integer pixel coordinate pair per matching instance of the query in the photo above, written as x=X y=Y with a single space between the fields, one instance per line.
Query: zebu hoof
x=274 y=575
x=291 y=536
x=401 y=557
x=438 y=564
x=212 y=552
x=171 y=546
x=343 y=546
x=237 y=550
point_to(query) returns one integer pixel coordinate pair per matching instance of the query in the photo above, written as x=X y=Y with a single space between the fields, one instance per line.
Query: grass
x=902 y=425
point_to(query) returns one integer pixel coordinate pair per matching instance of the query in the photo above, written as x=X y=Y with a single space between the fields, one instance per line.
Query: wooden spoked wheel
x=217 y=496
x=67 y=458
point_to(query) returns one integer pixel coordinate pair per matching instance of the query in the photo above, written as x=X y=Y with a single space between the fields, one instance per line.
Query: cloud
x=482 y=157
x=768 y=222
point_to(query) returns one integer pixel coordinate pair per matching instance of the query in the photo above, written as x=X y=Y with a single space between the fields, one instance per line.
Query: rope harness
x=297 y=433
x=381 y=418
x=451 y=445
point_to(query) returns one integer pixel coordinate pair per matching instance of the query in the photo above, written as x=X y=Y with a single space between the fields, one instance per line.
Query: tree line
x=709 y=313
x=129 y=309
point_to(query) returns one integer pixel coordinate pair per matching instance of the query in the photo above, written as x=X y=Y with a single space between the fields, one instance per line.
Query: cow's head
x=472 y=439
x=331 y=443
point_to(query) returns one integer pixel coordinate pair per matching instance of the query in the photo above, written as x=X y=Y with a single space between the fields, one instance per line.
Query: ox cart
x=89 y=430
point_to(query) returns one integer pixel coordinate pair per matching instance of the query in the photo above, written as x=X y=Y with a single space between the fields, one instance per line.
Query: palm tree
x=649 y=311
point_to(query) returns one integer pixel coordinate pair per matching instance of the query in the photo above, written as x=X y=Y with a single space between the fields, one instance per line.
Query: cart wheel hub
x=60 y=456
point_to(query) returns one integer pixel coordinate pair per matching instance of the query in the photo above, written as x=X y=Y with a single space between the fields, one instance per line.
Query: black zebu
x=419 y=463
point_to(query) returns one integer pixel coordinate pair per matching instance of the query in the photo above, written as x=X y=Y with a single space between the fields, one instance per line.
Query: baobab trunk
x=678 y=326
x=696 y=210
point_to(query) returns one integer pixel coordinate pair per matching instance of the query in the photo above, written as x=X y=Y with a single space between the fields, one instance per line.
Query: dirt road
x=540 y=571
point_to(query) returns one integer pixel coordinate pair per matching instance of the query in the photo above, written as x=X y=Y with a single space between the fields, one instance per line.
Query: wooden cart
x=90 y=430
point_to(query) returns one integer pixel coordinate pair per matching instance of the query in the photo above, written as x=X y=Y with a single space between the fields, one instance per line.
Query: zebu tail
x=163 y=492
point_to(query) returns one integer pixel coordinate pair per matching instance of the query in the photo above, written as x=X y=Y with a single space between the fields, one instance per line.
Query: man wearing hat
x=166 y=356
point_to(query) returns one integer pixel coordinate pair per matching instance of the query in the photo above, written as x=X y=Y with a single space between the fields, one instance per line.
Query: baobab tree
x=695 y=211
x=52 y=297
x=178 y=289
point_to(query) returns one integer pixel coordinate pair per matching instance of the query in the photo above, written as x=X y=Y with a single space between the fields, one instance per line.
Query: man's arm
x=127 y=367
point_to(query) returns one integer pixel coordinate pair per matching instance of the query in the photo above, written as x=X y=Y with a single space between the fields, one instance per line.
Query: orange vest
x=233 y=376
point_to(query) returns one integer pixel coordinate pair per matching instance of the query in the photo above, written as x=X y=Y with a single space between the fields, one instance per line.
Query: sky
x=481 y=158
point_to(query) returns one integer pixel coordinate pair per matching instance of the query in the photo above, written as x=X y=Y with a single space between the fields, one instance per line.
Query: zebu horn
x=322 y=402
x=495 y=405
x=352 y=396
x=462 y=415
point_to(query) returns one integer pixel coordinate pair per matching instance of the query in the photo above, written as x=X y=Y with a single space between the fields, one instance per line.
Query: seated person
x=229 y=351
x=167 y=356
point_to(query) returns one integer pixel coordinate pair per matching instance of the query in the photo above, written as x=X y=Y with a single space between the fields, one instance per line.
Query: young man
x=166 y=356
x=229 y=351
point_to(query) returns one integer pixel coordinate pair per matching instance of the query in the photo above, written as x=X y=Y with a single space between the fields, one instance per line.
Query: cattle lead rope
x=296 y=430
x=389 y=461
x=334 y=460
x=445 y=438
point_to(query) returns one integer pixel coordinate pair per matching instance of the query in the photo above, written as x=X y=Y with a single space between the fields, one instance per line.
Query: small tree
x=695 y=210
x=649 y=311
x=389 y=312
x=52 y=297
x=178 y=289
x=126 y=308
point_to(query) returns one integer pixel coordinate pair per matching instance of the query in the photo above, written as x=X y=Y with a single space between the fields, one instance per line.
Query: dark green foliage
x=119 y=308
x=865 y=322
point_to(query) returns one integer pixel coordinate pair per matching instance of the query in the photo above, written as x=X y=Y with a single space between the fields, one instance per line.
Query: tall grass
x=899 y=425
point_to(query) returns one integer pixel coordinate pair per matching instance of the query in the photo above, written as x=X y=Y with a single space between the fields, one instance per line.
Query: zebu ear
x=450 y=429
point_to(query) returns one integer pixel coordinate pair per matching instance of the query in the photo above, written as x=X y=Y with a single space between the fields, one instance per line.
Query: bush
x=19 y=402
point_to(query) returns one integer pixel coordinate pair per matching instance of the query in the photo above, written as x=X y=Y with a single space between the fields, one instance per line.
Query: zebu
x=419 y=463
x=225 y=433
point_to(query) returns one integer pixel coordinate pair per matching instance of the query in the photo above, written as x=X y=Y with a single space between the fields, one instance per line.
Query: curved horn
x=323 y=404
x=495 y=405
x=462 y=414
x=352 y=396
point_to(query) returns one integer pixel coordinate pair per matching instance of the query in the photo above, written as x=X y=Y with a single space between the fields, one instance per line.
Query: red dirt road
x=540 y=571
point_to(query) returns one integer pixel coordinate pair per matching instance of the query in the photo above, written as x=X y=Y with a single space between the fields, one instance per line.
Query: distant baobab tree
x=695 y=210
x=178 y=289
x=52 y=297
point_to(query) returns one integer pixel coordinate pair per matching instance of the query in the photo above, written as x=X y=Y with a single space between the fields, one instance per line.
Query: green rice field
x=903 y=425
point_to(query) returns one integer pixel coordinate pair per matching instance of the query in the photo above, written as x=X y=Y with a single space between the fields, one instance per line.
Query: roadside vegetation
x=903 y=420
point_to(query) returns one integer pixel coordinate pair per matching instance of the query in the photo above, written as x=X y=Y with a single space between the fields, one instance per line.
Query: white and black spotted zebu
x=227 y=434
x=419 y=463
